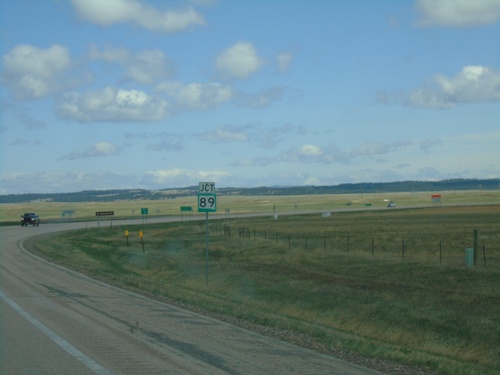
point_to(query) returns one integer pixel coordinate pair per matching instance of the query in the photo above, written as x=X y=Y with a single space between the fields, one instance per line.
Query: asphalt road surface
x=57 y=321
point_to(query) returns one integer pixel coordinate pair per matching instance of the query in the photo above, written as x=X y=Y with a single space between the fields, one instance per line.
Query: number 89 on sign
x=207 y=203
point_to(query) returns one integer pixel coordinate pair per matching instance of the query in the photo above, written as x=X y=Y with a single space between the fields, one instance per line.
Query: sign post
x=186 y=209
x=207 y=202
x=144 y=213
x=104 y=213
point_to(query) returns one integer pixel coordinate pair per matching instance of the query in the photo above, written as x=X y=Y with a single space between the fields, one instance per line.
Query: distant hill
x=366 y=187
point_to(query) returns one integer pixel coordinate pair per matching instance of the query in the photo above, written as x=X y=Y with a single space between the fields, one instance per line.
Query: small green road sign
x=186 y=208
x=207 y=203
x=144 y=211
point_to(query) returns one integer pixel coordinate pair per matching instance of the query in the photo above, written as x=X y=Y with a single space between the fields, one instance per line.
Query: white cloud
x=34 y=73
x=239 y=61
x=63 y=182
x=98 y=150
x=457 y=13
x=284 y=61
x=112 y=105
x=182 y=177
x=313 y=181
x=472 y=84
x=148 y=67
x=110 y=54
x=106 y=13
x=145 y=67
x=310 y=154
x=311 y=150
x=307 y=153
x=199 y=96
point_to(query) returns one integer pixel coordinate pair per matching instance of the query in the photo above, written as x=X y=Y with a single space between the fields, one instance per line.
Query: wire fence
x=448 y=248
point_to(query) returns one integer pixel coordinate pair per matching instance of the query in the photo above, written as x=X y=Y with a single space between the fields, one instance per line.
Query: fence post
x=403 y=249
x=474 y=245
x=484 y=255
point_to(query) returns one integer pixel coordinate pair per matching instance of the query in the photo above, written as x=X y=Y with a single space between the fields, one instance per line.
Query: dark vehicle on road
x=30 y=218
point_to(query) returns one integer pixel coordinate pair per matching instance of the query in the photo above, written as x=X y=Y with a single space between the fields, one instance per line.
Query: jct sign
x=207 y=199
x=207 y=187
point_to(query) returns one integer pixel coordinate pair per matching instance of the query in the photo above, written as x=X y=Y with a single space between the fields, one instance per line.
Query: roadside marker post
x=126 y=235
x=207 y=202
x=142 y=240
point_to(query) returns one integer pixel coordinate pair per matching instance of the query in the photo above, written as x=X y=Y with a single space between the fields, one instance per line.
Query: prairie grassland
x=298 y=274
x=51 y=211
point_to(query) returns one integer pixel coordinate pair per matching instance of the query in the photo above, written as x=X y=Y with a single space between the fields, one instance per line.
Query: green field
x=388 y=283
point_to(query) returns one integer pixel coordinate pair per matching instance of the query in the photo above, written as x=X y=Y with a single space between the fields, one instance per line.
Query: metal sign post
x=144 y=214
x=206 y=248
x=104 y=213
x=207 y=202
x=186 y=209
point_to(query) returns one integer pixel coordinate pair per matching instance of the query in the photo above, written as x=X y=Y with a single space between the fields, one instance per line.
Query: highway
x=57 y=321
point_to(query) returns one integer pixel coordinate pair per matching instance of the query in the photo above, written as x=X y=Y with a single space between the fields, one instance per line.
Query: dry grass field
x=384 y=283
x=234 y=205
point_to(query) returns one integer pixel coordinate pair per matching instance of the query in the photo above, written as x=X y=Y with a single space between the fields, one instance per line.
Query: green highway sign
x=186 y=208
x=144 y=211
x=207 y=203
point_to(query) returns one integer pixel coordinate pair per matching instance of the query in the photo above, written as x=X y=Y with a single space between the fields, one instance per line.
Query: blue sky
x=160 y=94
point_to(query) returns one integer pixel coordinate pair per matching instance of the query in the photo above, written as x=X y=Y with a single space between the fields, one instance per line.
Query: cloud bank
x=109 y=12
x=457 y=13
x=472 y=84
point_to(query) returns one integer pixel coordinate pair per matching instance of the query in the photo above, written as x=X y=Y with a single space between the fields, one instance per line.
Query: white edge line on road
x=91 y=364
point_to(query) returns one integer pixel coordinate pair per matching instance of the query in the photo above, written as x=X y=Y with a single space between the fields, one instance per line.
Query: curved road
x=57 y=321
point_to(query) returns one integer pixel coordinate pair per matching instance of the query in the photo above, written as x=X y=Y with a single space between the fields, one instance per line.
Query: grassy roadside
x=417 y=310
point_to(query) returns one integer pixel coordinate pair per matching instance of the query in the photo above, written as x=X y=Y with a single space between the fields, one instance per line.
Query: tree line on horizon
x=347 y=188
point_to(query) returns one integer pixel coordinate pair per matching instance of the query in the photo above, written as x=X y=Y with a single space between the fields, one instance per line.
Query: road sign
x=186 y=208
x=207 y=202
x=144 y=211
x=104 y=213
x=207 y=187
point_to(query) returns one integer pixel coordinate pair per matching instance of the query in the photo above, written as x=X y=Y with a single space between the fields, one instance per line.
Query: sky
x=121 y=94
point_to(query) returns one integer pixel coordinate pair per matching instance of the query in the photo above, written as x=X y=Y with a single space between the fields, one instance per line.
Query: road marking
x=94 y=366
